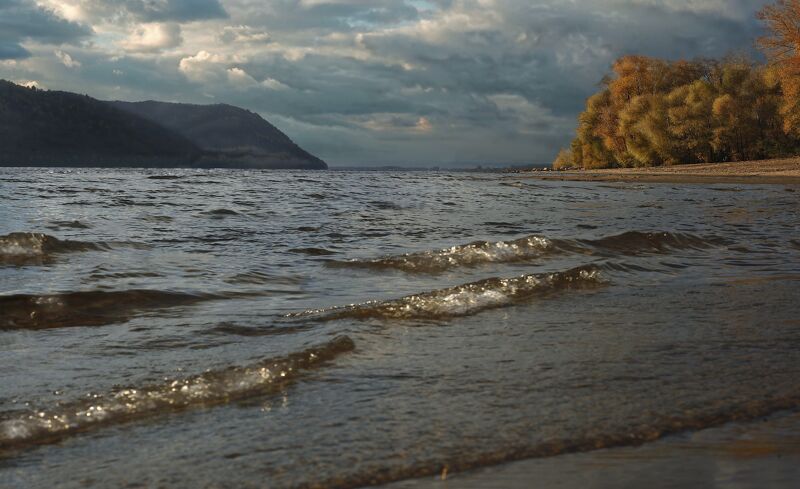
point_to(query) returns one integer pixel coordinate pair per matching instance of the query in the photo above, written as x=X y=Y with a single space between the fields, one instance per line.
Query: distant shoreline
x=779 y=171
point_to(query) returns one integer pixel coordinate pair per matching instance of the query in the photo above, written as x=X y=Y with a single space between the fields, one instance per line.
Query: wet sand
x=783 y=171
x=764 y=453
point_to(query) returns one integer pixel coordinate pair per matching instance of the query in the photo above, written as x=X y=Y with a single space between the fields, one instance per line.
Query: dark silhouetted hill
x=51 y=128
x=227 y=134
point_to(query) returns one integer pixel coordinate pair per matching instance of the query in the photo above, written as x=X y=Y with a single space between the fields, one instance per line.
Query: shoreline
x=780 y=172
x=762 y=452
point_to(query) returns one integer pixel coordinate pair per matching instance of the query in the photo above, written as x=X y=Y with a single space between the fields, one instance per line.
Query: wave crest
x=206 y=389
x=457 y=256
x=467 y=299
x=26 y=247
x=529 y=248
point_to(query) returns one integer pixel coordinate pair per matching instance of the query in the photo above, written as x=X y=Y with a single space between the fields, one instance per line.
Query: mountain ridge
x=50 y=128
x=222 y=130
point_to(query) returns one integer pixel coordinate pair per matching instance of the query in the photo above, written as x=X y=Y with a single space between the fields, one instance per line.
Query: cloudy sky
x=368 y=82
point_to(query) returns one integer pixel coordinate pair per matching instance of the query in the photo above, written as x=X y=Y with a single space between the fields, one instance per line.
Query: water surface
x=342 y=329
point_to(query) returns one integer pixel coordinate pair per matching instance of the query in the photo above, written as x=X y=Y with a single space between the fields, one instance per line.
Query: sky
x=368 y=82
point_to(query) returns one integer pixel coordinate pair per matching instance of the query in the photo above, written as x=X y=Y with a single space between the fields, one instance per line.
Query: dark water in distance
x=341 y=329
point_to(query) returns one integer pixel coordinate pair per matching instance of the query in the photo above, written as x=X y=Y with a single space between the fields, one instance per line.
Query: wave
x=635 y=242
x=625 y=437
x=312 y=251
x=220 y=213
x=529 y=248
x=68 y=225
x=91 y=308
x=465 y=300
x=21 y=248
x=18 y=430
x=471 y=254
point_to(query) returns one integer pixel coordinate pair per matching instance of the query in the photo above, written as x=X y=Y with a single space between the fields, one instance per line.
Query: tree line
x=652 y=112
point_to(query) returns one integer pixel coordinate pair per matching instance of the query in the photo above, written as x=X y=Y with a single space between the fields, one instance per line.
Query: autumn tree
x=595 y=132
x=692 y=120
x=782 y=47
x=564 y=160
x=644 y=125
x=655 y=112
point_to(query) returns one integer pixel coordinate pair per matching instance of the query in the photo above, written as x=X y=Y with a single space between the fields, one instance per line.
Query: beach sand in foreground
x=784 y=171
x=764 y=453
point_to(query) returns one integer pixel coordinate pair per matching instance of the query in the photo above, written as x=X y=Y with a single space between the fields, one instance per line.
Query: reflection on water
x=216 y=328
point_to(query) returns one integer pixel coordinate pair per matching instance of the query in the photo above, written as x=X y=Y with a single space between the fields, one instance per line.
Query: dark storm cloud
x=11 y=50
x=22 y=20
x=339 y=16
x=560 y=54
x=176 y=10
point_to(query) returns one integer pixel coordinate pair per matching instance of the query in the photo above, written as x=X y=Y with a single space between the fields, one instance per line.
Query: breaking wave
x=529 y=248
x=21 y=248
x=457 y=256
x=465 y=300
x=37 y=426
x=91 y=308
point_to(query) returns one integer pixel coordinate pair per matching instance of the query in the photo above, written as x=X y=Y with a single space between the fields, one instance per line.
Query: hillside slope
x=228 y=135
x=50 y=128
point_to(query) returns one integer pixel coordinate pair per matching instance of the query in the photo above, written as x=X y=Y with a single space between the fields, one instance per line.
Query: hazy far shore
x=782 y=171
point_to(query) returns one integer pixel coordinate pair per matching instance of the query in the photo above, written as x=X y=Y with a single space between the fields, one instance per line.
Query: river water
x=344 y=329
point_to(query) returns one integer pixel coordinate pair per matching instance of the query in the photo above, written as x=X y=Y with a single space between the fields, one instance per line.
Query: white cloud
x=394 y=123
x=203 y=66
x=243 y=34
x=273 y=84
x=153 y=37
x=243 y=81
x=240 y=78
x=29 y=84
x=66 y=59
x=72 y=10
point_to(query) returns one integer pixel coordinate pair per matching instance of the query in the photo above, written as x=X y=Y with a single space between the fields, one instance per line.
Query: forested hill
x=51 y=128
x=227 y=130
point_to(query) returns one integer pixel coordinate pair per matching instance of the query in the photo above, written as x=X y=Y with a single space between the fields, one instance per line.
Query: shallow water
x=340 y=329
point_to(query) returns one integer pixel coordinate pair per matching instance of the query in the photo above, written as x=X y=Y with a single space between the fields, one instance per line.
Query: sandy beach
x=783 y=171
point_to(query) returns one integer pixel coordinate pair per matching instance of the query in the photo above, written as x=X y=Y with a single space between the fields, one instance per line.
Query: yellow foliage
x=656 y=112
x=564 y=160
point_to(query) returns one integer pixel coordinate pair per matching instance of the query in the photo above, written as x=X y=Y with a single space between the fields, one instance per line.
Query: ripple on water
x=91 y=308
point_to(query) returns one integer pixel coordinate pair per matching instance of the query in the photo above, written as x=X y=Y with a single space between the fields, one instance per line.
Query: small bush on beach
x=564 y=160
